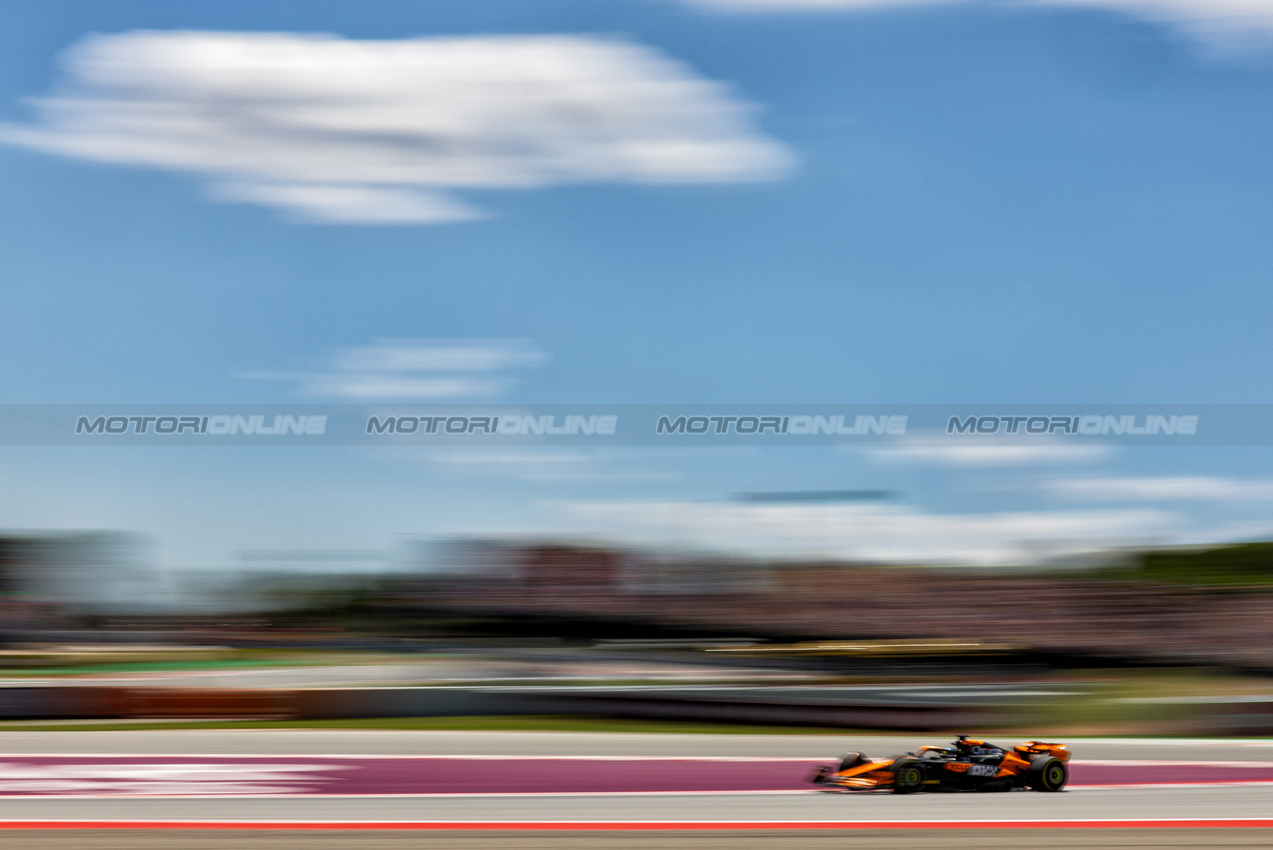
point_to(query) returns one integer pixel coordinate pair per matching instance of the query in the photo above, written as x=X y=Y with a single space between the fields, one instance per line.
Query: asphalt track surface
x=442 y=789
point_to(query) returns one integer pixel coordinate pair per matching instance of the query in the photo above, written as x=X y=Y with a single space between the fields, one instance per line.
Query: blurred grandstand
x=832 y=628
x=1208 y=606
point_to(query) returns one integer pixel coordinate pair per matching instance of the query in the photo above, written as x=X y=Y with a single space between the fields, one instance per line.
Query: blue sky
x=902 y=203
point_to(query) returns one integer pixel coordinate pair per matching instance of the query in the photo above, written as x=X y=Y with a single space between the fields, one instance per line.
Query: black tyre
x=851 y=760
x=908 y=776
x=1049 y=774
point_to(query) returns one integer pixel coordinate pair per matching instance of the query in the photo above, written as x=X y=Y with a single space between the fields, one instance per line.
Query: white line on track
x=1153 y=786
x=1220 y=783
x=586 y=758
x=1183 y=742
x=447 y=823
x=481 y=757
x=1169 y=763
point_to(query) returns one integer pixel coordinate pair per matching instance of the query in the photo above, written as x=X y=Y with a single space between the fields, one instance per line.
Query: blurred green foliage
x=1224 y=566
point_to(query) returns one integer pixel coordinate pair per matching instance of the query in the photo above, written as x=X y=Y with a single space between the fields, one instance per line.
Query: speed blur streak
x=483 y=628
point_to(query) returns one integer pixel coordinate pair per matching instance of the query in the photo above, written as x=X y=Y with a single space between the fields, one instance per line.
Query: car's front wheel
x=908 y=776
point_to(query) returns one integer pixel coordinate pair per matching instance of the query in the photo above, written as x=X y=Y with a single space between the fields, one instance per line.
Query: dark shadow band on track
x=952 y=839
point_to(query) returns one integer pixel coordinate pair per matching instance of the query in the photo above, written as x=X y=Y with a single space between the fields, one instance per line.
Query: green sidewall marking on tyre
x=1054 y=775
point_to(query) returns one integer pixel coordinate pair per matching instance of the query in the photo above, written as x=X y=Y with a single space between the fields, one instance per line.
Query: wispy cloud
x=1224 y=24
x=417 y=369
x=807 y=5
x=1164 y=488
x=441 y=356
x=338 y=204
x=372 y=387
x=339 y=131
x=990 y=454
x=548 y=465
x=1221 y=24
x=876 y=532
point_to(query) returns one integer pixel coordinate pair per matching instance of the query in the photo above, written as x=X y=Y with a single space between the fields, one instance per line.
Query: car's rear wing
x=1031 y=749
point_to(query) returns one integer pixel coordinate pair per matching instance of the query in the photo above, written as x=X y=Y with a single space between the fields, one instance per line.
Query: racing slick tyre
x=908 y=776
x=851 y=760
x=1048 y=774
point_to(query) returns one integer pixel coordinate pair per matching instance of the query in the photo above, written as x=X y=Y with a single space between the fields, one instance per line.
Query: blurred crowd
x=1180 y=607
x=1114 y=615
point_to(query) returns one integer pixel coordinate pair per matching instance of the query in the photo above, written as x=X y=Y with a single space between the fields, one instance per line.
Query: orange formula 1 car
x=968 y=765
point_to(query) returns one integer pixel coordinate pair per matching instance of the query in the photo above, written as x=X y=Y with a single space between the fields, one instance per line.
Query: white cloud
x=445 y=356
x=1226 y=24
x=1221 y=23
x=369 y=387
x=338 y=130
x=991 y=454
x=418 y=369
x=335 y=204
x=548 y=465
x=807 y=5
x=1164 y=489
x=874 y=532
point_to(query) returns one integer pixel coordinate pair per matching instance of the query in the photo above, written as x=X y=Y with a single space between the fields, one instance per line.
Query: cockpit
x=978 y=751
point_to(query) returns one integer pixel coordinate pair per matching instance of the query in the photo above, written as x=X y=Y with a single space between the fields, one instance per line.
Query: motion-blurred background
x=486 y=633
x=634 y=202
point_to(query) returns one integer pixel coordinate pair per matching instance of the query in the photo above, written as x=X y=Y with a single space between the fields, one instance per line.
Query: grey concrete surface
x=652 y=840
x=398 y=742
x=1123 y=803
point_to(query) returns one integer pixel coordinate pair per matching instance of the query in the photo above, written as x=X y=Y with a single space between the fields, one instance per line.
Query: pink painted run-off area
x=351 y=775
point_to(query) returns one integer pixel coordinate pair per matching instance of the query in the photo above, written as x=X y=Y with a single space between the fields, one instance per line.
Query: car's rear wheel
x=1049 y=774
x=908 y=776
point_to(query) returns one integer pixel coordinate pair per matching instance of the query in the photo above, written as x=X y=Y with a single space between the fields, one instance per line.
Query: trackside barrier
x=745 y=706
x=652 y=704
x=62 y=703
x=1223 y=716
x=211 y=702
x=331 y=703
x=1234 y=715
x=87 y=703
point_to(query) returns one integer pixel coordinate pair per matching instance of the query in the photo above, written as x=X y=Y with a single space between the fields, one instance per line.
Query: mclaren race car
x=967 y=765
